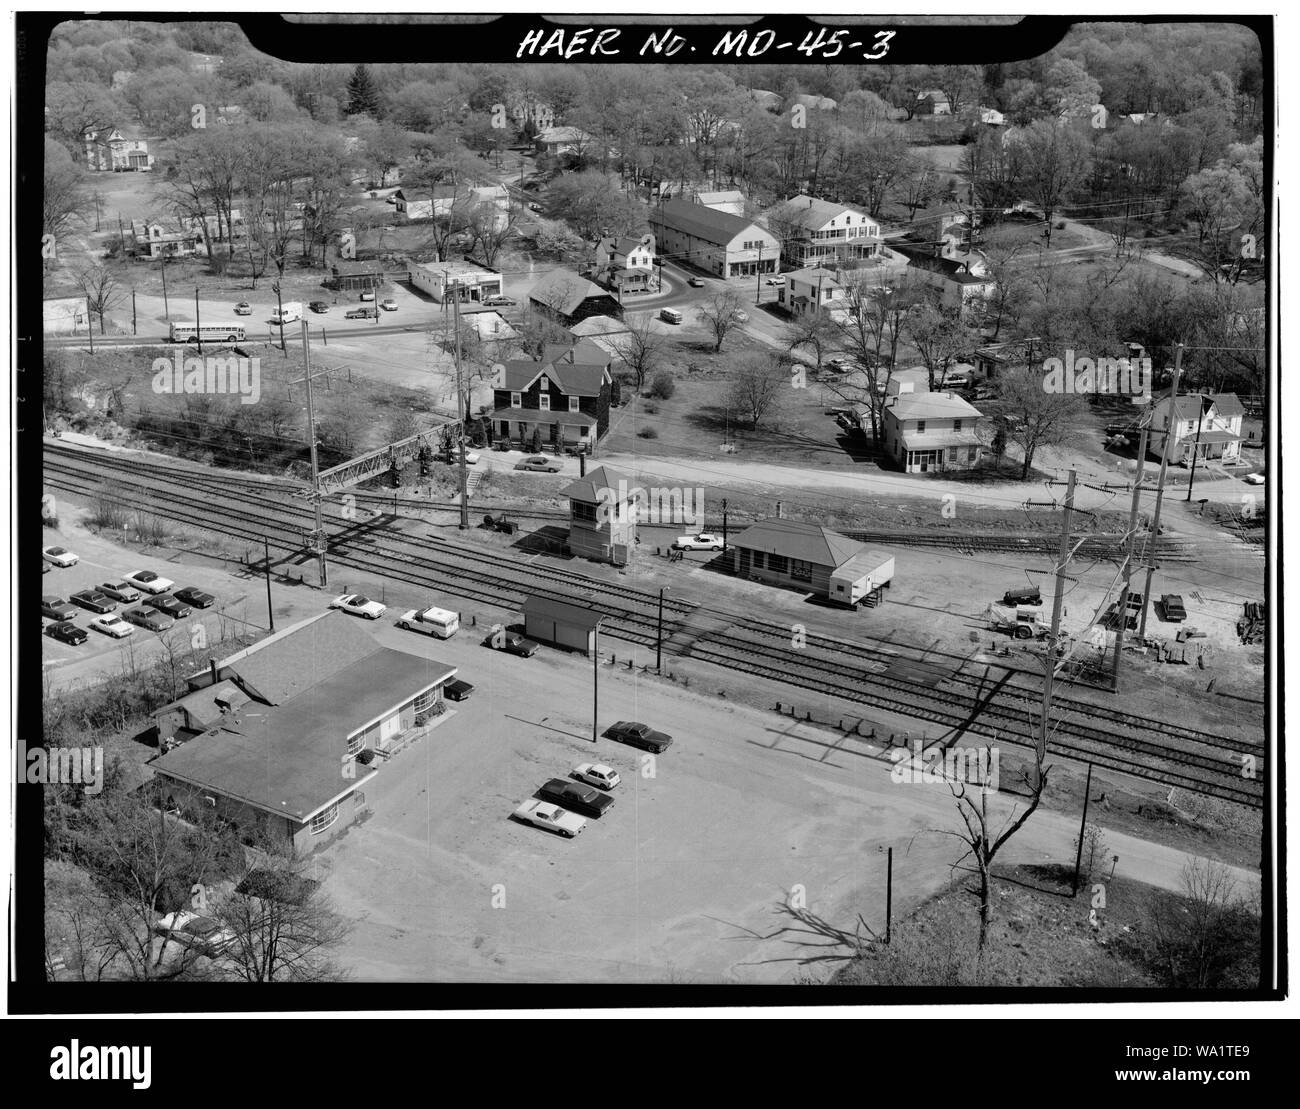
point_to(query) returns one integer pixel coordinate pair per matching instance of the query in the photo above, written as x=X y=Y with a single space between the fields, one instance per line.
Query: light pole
x=279 y=311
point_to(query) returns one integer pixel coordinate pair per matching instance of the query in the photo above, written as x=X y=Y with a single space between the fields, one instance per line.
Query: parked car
x=201 y=933
x=319 y=307
x=582 y=799
x=92 y=601
x=779 y=279
x=513 y=643
x=359 y=605
x=113 y=625
x=439 y=622
x=837 y=364
x=457 y=690
x=596 y=774
x=59 y=556
x=67 y=632
x=695 y=282
x=1254 y=479
x=705 y=541
x=740 y=316
x=543 y=814
x=367 y=296
x=1171 y=604
x=388 y=304
x=243 y=308
x=149 y=618
x=539 y=464
x=639 y=735
x=361 y=314
x=170 y=605
x=119 y=590
x=500 y=301
x=56 y=608
x=148 y=582
x=195 y=598
x=390 y=199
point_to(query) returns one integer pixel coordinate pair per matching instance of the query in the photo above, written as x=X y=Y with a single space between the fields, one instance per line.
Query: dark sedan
x=195 y=598
x=639 y=735
x=538 y=464
x=584 y=800
x=56 y=608
x=148 y=618
x=67 y=632
x=170 y=606
x=94 y=601
x=457 y=690
x=513 y=643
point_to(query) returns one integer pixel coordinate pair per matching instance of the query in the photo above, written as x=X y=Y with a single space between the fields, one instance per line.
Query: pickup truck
x=543 y=814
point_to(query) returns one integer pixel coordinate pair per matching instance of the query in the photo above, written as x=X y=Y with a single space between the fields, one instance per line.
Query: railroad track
x=1200 y=761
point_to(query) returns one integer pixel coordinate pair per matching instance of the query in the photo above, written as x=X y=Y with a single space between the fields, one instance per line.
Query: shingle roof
x=567 y=288
x=287 y=759
x=809 y=211
x=1227 y=404
x=704 y=223
x=587 y=488
x=795 y=539
x=579 y=370
x=924 y=406
x=581 y=615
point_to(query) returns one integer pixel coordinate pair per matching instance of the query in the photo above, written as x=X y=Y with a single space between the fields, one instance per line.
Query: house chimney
x=582 y=464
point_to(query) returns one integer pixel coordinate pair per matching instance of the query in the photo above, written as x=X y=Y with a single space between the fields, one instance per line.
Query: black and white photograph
x=612 y=507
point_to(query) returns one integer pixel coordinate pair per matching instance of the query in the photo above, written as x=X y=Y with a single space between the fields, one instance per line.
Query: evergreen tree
x=363 y=97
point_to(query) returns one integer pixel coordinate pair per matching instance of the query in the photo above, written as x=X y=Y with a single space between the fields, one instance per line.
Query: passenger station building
x=814 y=559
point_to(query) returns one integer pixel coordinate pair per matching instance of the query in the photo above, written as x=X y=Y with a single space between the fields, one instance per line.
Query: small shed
x=561 y=624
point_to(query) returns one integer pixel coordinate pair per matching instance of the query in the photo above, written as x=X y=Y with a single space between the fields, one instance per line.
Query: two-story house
x=117 y=150
x=931 y=432
x=156 y=239
x=625 y=263
x=565 y=395
x=716 y=242
x=957 y=284
x=567 y=298
x=812 y=291
x=811 y=230
x=1197 y=425
x=932 y=102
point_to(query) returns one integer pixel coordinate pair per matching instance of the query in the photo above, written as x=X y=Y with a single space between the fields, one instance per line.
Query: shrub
x=647 y=433
x=663 y=385
x=650 y=408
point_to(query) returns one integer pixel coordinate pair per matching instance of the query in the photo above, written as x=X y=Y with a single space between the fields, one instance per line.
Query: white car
x=705 y=541
x=148 y=582
x=596 y=774
x=1254 y=479
x=60 y=556
x=112 y=624
x=740 y=316
x=367 y=296
x=778 y=280
x=543 y=814
x=359 y=605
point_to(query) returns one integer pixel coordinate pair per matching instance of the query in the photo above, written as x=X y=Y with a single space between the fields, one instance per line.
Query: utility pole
x=90 y=325
x=659 y=635
x=270 y=610
x=1083 y=824
x=132 y=311
x=166 y=311
x=462 y=402
x=758 y=276
x=724 y=525
x=595 y=682
x=1049 y=671
x=198 y=324
x=1196 y=450
x=315 y=469
x=1128 y=557
x=279 y=311
x=889 y=895
x=1154 y=535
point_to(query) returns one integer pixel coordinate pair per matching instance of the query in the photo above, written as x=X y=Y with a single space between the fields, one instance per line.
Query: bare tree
x=812 y=329
x=1032 y=416
x=490 y=228
x=1051 y=158
x=281 y=926
x=1200 y=937
x=757 y=385
x=982 y=840
x=99 y=284
x=641 y=348
x=719 y=314
x=939 y=336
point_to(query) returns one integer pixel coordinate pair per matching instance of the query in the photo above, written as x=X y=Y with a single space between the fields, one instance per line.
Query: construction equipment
x=1020 y=621
x=501 y=523
x=1252 y=625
